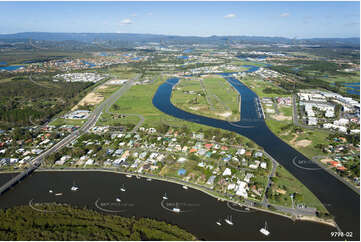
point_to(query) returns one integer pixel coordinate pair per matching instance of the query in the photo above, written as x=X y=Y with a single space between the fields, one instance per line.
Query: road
x=92 y=120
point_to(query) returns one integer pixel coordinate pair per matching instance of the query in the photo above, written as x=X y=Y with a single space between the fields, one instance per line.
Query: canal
x=341 y=201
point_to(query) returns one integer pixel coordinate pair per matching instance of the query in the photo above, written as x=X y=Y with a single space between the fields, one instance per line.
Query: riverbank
x=194 y=186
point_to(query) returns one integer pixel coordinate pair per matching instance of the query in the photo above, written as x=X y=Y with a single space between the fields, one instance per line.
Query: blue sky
x=286 y=19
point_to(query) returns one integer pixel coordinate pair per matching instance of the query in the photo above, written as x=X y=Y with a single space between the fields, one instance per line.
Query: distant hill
x=141 y=38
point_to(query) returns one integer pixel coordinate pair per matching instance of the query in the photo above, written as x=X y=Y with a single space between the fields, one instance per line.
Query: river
x=341 y=201
x=143 y=198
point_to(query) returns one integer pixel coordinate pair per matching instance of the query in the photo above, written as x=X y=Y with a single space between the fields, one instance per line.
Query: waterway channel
x=142 y=198
x=341 y=201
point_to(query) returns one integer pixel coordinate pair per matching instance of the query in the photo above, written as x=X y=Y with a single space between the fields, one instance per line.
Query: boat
x=50 y=191
x=165 y=196
x=74 y=188
x=129 y=176
x=247 y=209
x=149 y=179
x=176 y=210
x=219 y=223
x=118 y=200
x=58 y=194
x=185 y=187
x=229 y=220
x=264 y=230
x=122 y=189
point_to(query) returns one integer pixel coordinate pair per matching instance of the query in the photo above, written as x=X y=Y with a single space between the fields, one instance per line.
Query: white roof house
x=312 y=121
x=242 y=189
x=227 y=172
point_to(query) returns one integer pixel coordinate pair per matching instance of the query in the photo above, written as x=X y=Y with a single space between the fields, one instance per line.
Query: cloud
x=285 y=14
x=150 y=14
x=126 y=21
x=134 y=15
x=231 y=15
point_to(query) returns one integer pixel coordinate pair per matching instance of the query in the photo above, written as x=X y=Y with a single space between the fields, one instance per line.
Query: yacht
x=129 y=176
x=118 y=200
x=149 y=179
x=176 y=210
x=122 y=189
x=50 y=191
x=219 y=223
x=229 y=220
x=264 y=230
x=165 y=196
x=74 y=188
x=58 y=194
x=185 y=187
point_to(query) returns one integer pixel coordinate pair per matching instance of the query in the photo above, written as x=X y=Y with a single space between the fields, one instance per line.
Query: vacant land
x=264 y=88
x=138 y=100
x=284 y=184
x=210 y=96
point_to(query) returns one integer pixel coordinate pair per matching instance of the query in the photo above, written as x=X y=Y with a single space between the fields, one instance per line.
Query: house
x=231 y=186
x=211 y=180
x=258 y=154
x=192 y=150
x=240 y=151
x=248 y=177
x=264 y=165
x=312 y=121
x=255 y=165
x=89 y=162
x=227 y=172
x=242 y=189
x=181 y=160
x=181 y=172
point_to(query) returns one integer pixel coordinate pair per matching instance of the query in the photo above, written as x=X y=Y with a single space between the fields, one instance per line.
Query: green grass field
x=61 y=121
x=219 y=100
x=285 y=181
x=138 y=100
x=258 y=86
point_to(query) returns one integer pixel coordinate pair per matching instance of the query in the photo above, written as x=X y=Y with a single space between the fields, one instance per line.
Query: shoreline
x=194 y=186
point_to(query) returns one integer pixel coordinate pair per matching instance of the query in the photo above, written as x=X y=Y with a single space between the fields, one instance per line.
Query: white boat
x=185 y=187
x=122 y=189
x=176 y=210
x=219 y=223
x=264 y=230
x=74 y=188
x=247 y=209
x=149 y=179
x=58 y=194
x=50 y=191
x=229 y=220
x=118 y=200
x=165 y=196
x=129 y=176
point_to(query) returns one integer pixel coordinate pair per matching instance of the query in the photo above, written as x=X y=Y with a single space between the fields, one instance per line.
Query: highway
x=92 y=120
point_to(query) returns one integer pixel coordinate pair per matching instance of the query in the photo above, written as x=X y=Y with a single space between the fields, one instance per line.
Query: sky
x=283 y=19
